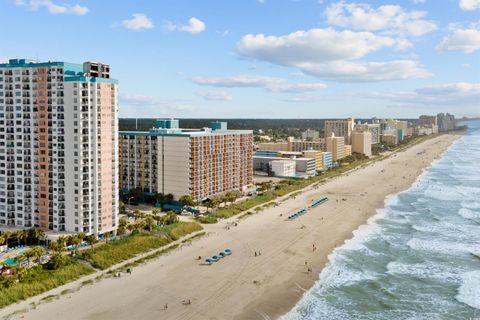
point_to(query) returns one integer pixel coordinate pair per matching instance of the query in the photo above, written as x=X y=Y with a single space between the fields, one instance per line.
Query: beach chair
x=227 y=251
x=209 y=261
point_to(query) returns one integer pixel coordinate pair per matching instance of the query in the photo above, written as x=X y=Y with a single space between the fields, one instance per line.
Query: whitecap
x=469 y=291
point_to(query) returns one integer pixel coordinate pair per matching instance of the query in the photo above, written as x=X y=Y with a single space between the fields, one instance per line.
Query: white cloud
x=469 y=5
x=391 y=19
x=52 y=7
x=216 y=95
x=138 y=106
x=138 y=22
x=349 y=71
x=314 y=46
x=331 y=54
x=458 y=94
x=463 y=40
x=194 y=26
x=273 y=84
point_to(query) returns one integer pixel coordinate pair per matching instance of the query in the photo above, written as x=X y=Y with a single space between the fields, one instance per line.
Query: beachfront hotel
x=336 y=145
x=362 y=142
x=58 y=147
x=341 y=128
x=197 y=162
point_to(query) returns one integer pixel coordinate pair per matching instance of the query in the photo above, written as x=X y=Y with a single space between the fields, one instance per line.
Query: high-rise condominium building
x=310 y=134
x=425 y=120
x=197 y=162
x=374 y=129
x=336 y=145
x=446 y=122
x=362 y=142
x=301 y=145
x=58 y=146
x=341 y=128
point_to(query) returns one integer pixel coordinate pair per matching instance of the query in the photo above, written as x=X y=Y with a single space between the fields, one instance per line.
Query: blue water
x=418 y=258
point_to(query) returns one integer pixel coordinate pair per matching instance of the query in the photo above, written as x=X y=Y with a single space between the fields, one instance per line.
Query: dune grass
x=123 y=249
x=40 y=280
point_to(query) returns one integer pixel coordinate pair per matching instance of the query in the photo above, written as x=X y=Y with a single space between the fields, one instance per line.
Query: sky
x=263 y=58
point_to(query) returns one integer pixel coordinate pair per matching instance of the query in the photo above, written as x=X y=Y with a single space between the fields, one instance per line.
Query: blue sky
x=264 y=59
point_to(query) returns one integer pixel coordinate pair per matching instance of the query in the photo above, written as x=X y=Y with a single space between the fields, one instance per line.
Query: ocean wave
x=469 y=291
x=446 y=248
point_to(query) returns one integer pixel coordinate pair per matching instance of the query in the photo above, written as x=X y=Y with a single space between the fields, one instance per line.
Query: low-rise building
x=301 y=145
x=327 y=160
x=391 y=139
x=274 y=146
x=283 y=168
x=314 y=154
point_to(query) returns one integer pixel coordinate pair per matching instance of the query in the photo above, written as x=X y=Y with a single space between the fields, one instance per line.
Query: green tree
x=36 y=234
x=149 y=223
x=187 y=200
x=169 y=218
x=169 y=198
x=57 y=260
x=37 y=252
x=21 y=235
x=139 y=213
x=160 y=198
x=7 y=235
x=91 y=239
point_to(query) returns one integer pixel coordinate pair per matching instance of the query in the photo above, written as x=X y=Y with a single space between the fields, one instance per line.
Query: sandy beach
x=245 y=286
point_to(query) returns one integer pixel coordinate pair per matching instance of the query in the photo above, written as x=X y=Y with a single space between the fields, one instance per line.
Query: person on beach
x=306 y=262
x=259 y=253
x=255 y=253
x=166 y=306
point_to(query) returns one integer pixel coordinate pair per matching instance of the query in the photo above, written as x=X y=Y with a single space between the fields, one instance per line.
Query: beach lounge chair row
x=297 y=214
x=15 y=248
x=222 y=254
x=319 y=202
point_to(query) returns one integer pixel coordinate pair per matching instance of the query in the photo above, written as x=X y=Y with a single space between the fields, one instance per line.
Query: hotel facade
x=197 y=162
x=58 y=147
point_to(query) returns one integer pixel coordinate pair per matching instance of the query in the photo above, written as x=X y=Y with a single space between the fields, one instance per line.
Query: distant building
x=276 y=146
x=327 y=160
x=374 y=129
x=303 y=166
x=197 y=162
x=341 y=128
x=336 y=145
x=310 y=134
x=348 y=150
x=317 y=155
x=391 y=139
x=283 y=168
x=427 y=121
x=446 y=122
x=301 y=145
x=362 y=142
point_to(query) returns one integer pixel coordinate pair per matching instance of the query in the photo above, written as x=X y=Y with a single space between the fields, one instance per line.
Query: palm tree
x=7 y=235
x=149 y=223
x=36 y=234
x=2 y=239
x=160 y=198
x=20 y=259
x=81 y=235
x=37 y=252
x=22 y=235
x=91 y=239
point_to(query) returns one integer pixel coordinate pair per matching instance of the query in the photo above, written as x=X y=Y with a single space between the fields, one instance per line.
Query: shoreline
x=243 y=286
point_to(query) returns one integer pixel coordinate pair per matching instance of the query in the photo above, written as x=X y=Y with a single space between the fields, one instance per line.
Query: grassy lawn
x=123 y=249
x=40 y=280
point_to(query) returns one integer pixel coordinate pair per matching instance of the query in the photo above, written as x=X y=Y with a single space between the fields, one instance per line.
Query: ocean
x=417 y=258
